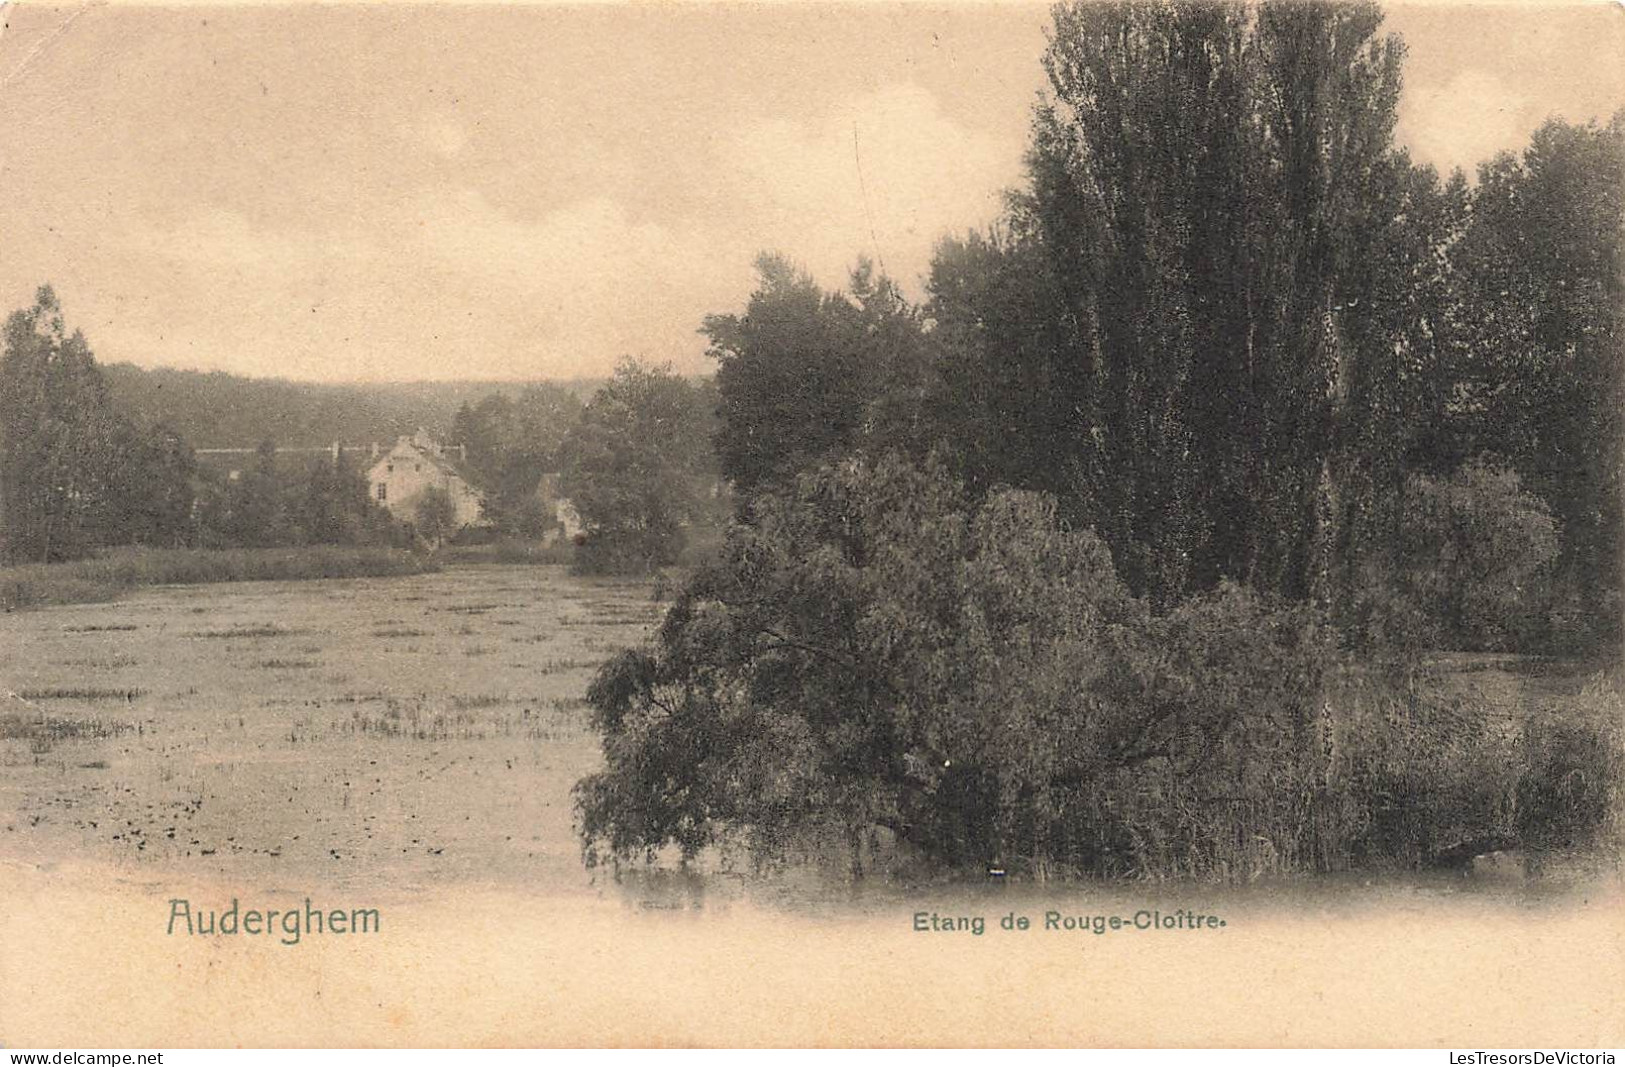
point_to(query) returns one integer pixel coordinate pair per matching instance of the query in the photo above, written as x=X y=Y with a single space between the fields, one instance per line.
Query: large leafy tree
x=1192 y=291
x=877 y=651
x=806 y=375
x=153 y=498
x=791 y=384
x=1542 y=375
x=512 y=442
x=638 y=468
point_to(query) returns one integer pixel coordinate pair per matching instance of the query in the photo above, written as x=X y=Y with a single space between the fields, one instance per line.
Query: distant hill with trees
x=214 y=409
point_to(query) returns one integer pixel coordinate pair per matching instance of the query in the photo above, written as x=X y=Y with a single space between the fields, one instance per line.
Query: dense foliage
x=77 y=474
x=281 y=501
x=74 y=472
x=1472 y=568
x=880 y=665
x=1537 y=366
x=1227 y=322
x=874 y=652
x=637 y=467
x=511 y=443
x=214 y=409
x=1234 y=422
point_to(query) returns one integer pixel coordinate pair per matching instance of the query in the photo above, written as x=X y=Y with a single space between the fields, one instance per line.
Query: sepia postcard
x=812 y=524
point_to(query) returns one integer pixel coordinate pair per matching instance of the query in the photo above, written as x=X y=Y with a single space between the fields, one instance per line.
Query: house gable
x=400 y=477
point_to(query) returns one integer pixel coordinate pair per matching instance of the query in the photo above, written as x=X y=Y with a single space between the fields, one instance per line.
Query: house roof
x=444 y=464
x=451 y=467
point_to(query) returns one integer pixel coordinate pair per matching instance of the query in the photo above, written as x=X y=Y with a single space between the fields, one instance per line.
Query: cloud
x=1466 y=120
x=438 y=278
x=589 y=244
x=219 y=240
x=585 y=283
x=886 y=173
x=442 y=284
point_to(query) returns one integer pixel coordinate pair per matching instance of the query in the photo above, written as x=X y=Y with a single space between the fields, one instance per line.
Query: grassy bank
x=699 y=545
x=106 y=576
x=549 y=553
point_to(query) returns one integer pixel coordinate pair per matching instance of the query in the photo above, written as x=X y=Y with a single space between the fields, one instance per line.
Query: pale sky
x=377 y=192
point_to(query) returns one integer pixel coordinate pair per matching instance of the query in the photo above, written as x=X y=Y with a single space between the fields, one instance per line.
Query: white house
x=400 y=476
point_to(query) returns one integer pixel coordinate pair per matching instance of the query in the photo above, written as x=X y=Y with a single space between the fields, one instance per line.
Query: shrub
x=628 y=550
x=1428 y=777
x=1571 y=793
x=1231 y=689
x=1473 y=567
x=436 y=514
x=878 y=662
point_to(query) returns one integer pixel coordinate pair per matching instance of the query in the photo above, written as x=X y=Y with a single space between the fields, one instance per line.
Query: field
x=411 y=730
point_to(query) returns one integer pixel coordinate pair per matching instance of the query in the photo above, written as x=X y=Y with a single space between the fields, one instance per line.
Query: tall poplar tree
x=1213 y=202
x=58 y=431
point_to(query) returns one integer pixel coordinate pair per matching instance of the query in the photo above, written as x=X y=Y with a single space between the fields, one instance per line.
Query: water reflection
x=811 y=890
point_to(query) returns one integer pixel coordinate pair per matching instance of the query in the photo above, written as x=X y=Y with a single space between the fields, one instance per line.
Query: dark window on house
x=383 y=491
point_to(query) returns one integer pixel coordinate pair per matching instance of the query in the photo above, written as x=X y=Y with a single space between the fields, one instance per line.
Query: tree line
x=1234 y=329
x=82 y=470
x=216 y=409
x=77 y=473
